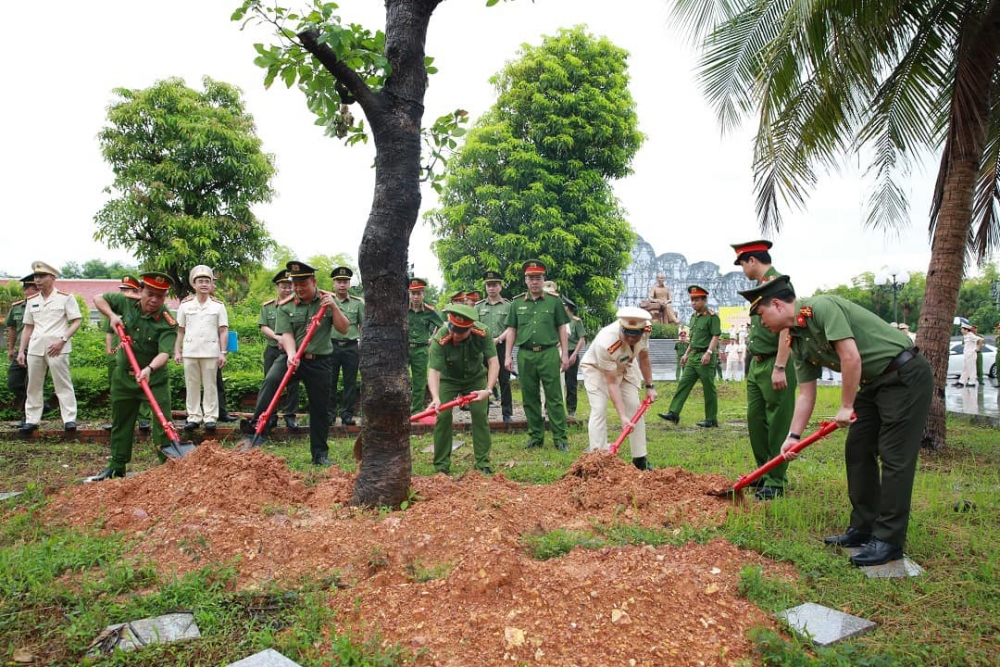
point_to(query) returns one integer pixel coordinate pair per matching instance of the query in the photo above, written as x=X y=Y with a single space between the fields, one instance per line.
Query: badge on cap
x=533 y=267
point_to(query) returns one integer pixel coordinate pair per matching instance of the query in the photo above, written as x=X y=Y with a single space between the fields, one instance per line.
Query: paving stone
x=904 y=567
x=455 y=444
x=6 y=495
x=136 y=634
x=824 y=626
x=266 y=658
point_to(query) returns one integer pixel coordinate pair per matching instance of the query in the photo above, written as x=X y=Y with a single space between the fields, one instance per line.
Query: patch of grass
x=420 y=573
x=559 y=542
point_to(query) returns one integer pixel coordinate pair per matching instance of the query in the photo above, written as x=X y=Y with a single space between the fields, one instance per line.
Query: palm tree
x=830 y=80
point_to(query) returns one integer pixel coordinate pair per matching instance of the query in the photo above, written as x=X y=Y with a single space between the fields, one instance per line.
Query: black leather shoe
x=641 y=463
x=109 y=473
x=69 y=426
x=209 y=426
x=245 y=426
x=144 y=426
x=191 y=426
x=671 y=417
x=532 y=444
x=561 y=446
x=507 y=419
x=769 y=493
x=958 y=384
x=852 y=538
x=708 y=423
x=347 y=421
x=877 y=552
x=291 y=423
x=228 y=419
x=486 y=470
x=321 y=461
x=25 y=429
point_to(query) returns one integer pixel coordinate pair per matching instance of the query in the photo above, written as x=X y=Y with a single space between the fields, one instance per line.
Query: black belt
x=310 y=356
x=697 y=350
x=344 y=343
x=418 y=344
x=901 y=359
x=764 y=357
x=539 y=348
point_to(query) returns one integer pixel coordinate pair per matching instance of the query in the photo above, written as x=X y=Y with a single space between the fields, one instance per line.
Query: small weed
x=420 y=574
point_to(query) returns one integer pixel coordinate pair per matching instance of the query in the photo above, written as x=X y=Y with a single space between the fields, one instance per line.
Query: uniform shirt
x=422 y=323
x=150 y=334
x=762 y=341
x=201 y=323
x=576 y=331
x=825 y=319
x=462 y=360
x=353 y=309
x=51 y=318
x=607 y=352
x=680 y=347
x=268 y=318
x=537 y=320
x=494 y=315
x=294 y=317
x=15 y=320
x=703 y=328
x=970 y=343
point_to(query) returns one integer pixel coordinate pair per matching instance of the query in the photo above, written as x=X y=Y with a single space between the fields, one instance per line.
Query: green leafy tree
x=188 y=168
x=533 y=178
x=888 y=78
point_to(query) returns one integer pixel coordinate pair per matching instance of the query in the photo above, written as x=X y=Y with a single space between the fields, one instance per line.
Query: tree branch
x=341 y=72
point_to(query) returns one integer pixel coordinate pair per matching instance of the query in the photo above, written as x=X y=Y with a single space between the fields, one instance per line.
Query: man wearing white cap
x=970 y=340
x=615 y=364
x=51 y=318
x=202 y=339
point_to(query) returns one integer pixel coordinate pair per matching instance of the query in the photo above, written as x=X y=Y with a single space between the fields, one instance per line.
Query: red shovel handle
x=646 y=402
x=127 y=346
x=430 y=412
x=825 y=429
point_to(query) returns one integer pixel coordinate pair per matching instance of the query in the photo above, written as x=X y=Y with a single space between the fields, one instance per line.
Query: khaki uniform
x=268 y=317
x=202 y=323
x=461 y=364
x=345 y=358
x=422 y=324
x=17 y=375
x=607 y=353
x=494 y=317
x=50 y=318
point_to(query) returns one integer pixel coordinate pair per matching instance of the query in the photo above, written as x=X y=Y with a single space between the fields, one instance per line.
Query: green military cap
x=129 y=282
x=156 y=280
x=460 y=315
x=777 y=286
x=696 y=291
x=760 y=245
x=281 y=277
x=493 y=277
x=28 y=280
x=458 y=296
x=472 y=294
x=417 y=284
x=299 y=270
x=341 y=272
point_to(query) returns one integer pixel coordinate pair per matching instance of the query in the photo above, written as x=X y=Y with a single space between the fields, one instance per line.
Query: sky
x=691 y=191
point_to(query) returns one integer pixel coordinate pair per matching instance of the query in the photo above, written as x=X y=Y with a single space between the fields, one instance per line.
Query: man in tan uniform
x=51 y=318
x=201 y=345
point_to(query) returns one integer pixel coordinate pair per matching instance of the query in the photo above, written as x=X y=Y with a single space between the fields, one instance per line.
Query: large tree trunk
x=960 y=167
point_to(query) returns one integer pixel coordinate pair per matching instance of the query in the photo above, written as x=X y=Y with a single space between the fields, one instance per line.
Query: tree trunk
x=960 y=167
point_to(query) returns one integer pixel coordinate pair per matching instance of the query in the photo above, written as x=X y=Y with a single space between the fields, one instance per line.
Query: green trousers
x=769 y=416
x=443 y=431
x=882 y=448
x=693 y=371
x=127 y=397
x=542 y=369
x=145 y=412
x=979 y=366
x=418 y=378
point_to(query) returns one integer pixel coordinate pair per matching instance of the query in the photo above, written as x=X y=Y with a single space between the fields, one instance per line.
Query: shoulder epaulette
x=286 y=299
x=187 y=298
x=268 y=302
x=522 y=294
x=709 y=312
x=476 y=331
x=614 y=346
x=18 y=303
x=216 y=299
x=356 y=298
x=59 y=291
x=169 y=318
x=130 y=295
x=323 y=292
x=481 y=301
x=444 y=340
x=429 y=306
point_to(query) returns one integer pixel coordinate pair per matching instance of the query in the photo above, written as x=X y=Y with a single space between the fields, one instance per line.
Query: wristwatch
x=779 y=367
x=650 y=386
x=64 y=339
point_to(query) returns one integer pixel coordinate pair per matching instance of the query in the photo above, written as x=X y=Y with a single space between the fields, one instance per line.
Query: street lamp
x=896 y=278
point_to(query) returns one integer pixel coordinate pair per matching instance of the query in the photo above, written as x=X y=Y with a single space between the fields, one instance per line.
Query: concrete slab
x=904 y=567
x=455 y=444
x=7 y=495
x=824 y=626
x=136 y=634
x=266 y=658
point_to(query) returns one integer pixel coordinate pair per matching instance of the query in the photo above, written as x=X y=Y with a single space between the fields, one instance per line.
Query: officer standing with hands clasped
x=887 y=385
x=614 y=366
x=17 y=375
x=705 y=331
x=493 y=312
x=423 y=321
x=455 y=368
x=153 y=332
x=272 y=350
x=345 y=347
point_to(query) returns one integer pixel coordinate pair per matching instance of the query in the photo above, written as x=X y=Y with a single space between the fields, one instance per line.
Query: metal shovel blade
x=177 y=449
x=250 y=442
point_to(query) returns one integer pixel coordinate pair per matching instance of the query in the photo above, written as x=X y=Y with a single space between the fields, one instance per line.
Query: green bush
x=663 y=331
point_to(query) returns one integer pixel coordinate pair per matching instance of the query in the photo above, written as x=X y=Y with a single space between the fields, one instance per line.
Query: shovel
x=629 y=427
x=825 y=429
x=430 y=412
x=175 y=449
x=257 y=438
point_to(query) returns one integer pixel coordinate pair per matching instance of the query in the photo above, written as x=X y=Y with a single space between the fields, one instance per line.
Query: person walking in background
x=493 y=312
x=273 y=349
x=51 y=318
x=615 y=364
x=705 y=329
x=970 y=341
x=537 y=325
x=424 y=320
x=345 y=347
x=576 y=339
x=201 y=346
x=680 y=350
x=17 y=375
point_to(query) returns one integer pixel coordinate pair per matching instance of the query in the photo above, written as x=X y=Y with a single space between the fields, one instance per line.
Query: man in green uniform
x=770 y=383
x=423 y=321
x=576 y=339
x=345 y=347
x=886 y=414
x=536 y=325
x=272 y=350
x=131 y=288
x=153 y=332
x=680 y=347
x=705 y=330
x=17 y=375
x=313 y=368
x=493 y=312
x=455 y=368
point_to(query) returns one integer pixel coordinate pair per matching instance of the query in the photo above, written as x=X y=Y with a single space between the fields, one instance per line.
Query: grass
x=59 y=588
